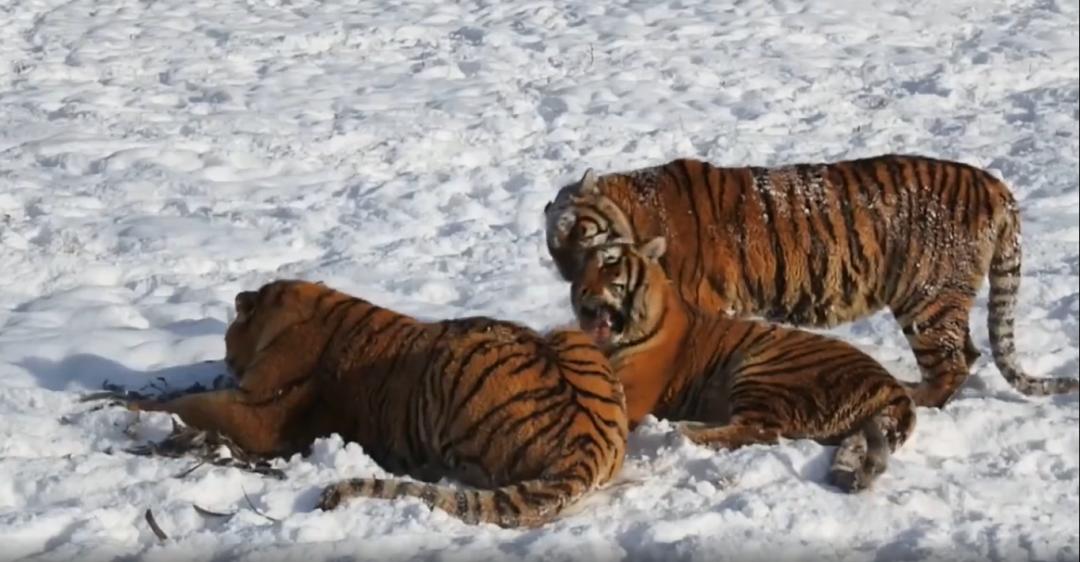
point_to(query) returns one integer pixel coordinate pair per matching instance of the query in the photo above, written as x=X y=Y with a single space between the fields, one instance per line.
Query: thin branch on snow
x=154 y=526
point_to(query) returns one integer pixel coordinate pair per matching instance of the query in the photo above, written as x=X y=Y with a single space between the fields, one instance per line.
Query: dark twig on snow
x=207 y=446
x=255 y=509
x=162 y=392
x=208 y=513
x=190 y=469
x=154 y=526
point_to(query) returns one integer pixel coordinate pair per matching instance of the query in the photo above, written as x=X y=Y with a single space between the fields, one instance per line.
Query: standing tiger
x=742 y=381
x=533 y=422
x=822 y=244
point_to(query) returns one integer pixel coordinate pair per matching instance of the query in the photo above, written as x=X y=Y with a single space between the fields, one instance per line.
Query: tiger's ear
x=653 y=249
x=245 y=302
x=589 y=183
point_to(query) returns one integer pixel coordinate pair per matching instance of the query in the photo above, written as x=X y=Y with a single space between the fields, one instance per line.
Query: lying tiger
x=821 y=244
x=743 y=381
x=533 y=421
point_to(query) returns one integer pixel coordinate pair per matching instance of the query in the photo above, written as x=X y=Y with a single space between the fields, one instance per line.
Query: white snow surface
x=158 y=156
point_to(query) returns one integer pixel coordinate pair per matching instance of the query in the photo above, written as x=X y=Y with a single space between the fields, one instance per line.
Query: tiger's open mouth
x=601 y=321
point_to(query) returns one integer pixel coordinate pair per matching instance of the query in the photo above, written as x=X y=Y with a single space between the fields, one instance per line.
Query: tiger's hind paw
x=860 y=459
x=849 y=481
x=857 y=479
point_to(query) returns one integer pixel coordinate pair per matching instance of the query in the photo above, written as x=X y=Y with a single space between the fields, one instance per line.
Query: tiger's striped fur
x=822 y=244
x=532 y=422
x=739 y=381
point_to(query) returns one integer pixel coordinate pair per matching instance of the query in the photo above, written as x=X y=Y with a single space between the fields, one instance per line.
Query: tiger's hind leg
x=938 y=333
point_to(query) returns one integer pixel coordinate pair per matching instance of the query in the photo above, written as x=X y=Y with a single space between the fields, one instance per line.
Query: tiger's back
x=822 y=244
x=487 y=400
x=765 y=241
x=532 y=421
x=820 y=387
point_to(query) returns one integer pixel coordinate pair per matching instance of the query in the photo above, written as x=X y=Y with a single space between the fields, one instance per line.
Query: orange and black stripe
x=748 y=381
x=822 y=244
x=531 y=422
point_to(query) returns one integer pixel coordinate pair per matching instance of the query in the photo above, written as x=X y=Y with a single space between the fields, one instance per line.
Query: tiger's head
x=617 y=295
x=581 y=217
x=277 y=319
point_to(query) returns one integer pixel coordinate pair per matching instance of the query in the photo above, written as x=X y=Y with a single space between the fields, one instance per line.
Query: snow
x=157 y=157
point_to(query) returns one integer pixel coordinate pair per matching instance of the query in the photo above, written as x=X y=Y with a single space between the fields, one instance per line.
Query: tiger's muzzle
x=602 y=319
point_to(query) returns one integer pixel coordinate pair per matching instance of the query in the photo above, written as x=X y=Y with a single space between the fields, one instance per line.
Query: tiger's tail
x=1004 y=286
x=529 y=503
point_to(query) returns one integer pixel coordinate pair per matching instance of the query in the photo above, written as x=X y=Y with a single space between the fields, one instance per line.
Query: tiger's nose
x=591 y=300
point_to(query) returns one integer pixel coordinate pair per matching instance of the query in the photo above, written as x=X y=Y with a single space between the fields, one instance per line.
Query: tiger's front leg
x=255 y=429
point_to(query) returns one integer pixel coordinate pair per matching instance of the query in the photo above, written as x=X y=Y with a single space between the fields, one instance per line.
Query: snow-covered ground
x=158 y=156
